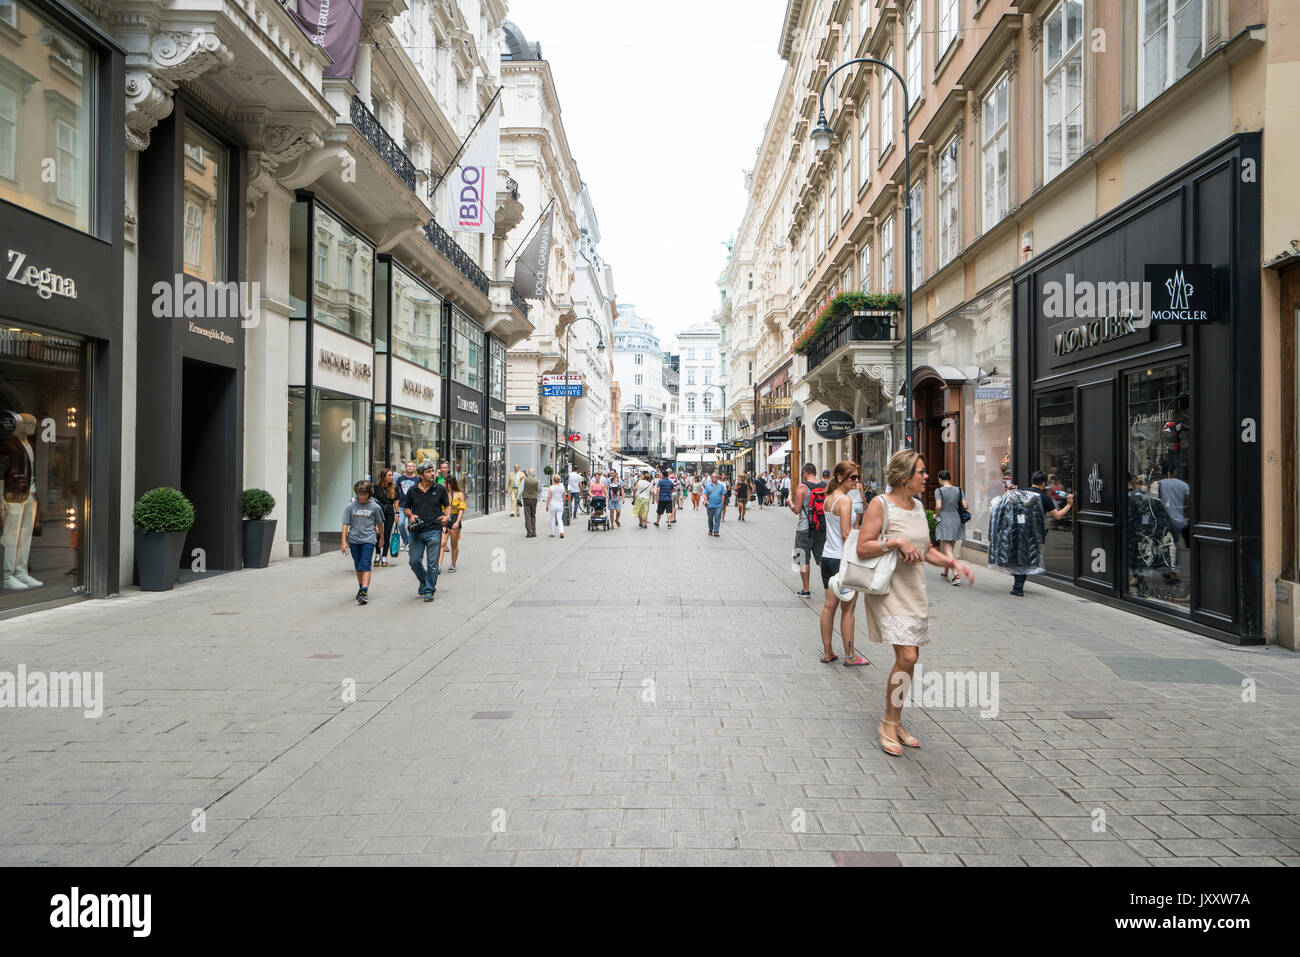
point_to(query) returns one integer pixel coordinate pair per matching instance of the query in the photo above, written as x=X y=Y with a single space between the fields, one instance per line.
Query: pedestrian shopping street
x=632 y=697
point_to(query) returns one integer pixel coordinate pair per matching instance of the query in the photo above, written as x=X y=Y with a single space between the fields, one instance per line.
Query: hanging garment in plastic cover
x=1017 y=528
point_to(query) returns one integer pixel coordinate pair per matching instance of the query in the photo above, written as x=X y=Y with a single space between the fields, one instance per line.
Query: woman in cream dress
x=902 y=617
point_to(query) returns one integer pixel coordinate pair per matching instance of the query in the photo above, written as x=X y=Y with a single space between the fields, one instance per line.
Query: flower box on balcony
x=859 y=304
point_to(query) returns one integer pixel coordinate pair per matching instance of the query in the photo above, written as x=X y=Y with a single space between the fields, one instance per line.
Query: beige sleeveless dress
x=903 y=616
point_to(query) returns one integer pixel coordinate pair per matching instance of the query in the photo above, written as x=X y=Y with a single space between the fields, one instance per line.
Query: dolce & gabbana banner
x=530 y=268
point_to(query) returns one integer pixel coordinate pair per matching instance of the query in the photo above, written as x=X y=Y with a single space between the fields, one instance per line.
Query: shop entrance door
x=208 y=479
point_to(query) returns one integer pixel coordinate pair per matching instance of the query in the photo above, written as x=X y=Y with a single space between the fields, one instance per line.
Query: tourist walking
x=726 y=500
x=457 y=511
x=528 y=494
x=713 y=491
x=386 y=496
x=665 y=489
x=839 y=522
x=949 y=504
x=810 y=527
x=405 y=483
x=896 y=522
x=615 y=498
x=514 y=485
x=426 y=513
x=362 y=520
x=760 y=488
x=575 y=490
x=697 y=489
x=555 y=504
x=742 y=496
x=641 y=500
x=785 y=489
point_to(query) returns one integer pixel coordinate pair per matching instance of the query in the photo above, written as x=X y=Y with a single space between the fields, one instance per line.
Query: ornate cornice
x=279 y=145
x=152 y=78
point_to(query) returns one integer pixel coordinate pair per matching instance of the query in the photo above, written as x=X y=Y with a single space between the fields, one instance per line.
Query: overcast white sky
x=664 y=106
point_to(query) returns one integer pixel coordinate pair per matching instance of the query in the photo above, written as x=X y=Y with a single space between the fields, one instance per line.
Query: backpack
x=817 y=510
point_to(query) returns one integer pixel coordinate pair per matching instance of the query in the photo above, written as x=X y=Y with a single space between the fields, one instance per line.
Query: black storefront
x=61 y=249
x=1153 y=427
x=192 y=306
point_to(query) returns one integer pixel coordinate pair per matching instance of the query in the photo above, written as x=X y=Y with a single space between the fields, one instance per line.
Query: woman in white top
x=555 y=504
x=839 y=522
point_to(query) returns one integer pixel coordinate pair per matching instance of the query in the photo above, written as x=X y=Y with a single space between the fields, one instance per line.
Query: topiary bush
x=163 y=510
x=548 y=470
x=258 y=503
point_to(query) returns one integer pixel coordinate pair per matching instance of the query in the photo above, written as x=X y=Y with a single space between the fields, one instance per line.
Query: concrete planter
x=259 y=535
x=158 y=559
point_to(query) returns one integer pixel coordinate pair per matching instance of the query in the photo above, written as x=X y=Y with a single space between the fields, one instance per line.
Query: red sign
x=575 y=437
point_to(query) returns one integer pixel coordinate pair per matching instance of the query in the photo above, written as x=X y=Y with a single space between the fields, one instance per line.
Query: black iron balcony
x=850 y=327
x=451 y=251
x=519 y=301
x=383 y=144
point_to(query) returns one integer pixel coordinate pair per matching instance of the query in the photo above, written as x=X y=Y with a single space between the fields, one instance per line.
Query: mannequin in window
x=18 y=458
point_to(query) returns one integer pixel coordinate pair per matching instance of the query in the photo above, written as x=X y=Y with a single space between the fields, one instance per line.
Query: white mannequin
x=19 y=507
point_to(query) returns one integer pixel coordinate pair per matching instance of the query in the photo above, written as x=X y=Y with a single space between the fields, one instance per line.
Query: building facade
x=703 y=395
x=639 y=371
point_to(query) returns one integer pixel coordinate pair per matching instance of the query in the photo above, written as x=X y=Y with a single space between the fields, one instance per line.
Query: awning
x=778 y=457
x=692 y=457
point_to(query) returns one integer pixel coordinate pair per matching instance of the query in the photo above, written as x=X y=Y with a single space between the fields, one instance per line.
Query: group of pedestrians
x=422 y=512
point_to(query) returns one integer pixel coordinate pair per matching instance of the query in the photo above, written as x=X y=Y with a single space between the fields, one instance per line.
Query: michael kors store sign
x=414 y=387
x=339 y=363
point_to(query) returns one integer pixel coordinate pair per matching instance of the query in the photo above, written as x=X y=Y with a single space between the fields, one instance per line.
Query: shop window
x=995 y=153
x=44 y=466
x=48 y=104
x=1062 y=87
x=1056 y=430
x=205 y=191
x=1159 y=437
x=1171 y=43
x=339 y=457
x=498 y=377
x=469 y=366
x=349 y=310
x=416 y=331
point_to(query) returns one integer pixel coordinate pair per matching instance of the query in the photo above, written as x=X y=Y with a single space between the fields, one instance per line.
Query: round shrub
x=258 y=503
x=163 y=510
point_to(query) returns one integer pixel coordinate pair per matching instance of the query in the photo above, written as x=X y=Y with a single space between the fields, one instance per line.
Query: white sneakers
x=21 y=582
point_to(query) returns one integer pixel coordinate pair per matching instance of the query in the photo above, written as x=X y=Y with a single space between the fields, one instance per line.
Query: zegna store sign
x=43 y=280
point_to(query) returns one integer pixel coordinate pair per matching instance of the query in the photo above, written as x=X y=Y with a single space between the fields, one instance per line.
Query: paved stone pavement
x=632 y=697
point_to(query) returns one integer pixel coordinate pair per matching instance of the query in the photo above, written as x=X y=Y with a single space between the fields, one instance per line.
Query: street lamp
x=723 y=410
x=821 y=137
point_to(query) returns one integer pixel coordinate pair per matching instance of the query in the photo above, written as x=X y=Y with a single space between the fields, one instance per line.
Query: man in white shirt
x=575 y=491
x=513 y=484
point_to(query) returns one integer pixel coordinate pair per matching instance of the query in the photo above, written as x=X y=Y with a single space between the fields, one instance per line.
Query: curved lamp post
x=821 y=137
x=723 y=410
x=600 y=347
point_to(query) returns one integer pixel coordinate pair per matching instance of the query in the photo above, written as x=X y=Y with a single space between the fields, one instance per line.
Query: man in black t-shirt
x=1039 y=482
x=426 y=511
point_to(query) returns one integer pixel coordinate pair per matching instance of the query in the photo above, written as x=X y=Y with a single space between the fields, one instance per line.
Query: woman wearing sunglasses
x=902 y=617
x=839 y=522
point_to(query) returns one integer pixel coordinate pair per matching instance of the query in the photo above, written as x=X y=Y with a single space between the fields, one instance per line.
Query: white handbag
x=870 y=576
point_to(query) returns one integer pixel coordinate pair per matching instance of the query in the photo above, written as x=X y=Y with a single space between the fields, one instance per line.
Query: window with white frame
x=887 y=254
x=886 y=104
x=864 y=268
x=1171 y=43
x=1062 y=87
x=637 y=400
x=821 y=225
x=690 y=433
x=690 y=355
x=797 y=245
x=9 y=13
x=913 y=50
x=949 y=11
x=708 y=402
x=708 y=376
x=8 y=132
x=807 y=250
x=690 y=377
x=708 y=355
x=708 y=434
x=864 y=17
x=834 y=198
x=637 y=359
x=846 y=278
x=322 y=250
x=690 y=402
x=995 y=153
x=638 y=379
x=918 y=249
x=864 y=145
x=847 y=179
x=949 y=233
x=194 y=236
x=67 y=153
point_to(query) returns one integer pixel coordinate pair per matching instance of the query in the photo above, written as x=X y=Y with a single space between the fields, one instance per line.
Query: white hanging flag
x=473 y=188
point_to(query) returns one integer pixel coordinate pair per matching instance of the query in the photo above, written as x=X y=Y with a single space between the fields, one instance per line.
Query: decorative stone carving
x=1036 y=34
x=280 y=145
x=1012 y=63
x=174 y=57
x=884 y=374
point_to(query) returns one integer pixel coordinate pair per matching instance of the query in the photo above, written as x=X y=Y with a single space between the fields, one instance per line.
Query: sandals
x=855 y=661
x=888 y=744
x=831 y=660
x=903 y=736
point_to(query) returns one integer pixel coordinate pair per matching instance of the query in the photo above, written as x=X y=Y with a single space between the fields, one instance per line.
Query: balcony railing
x=383 y=144
x=451 y=251
x=519 y=302
x=860 y=327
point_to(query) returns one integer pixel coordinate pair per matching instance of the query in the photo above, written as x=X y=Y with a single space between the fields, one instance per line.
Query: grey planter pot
x=259 y=534
x=158 y=559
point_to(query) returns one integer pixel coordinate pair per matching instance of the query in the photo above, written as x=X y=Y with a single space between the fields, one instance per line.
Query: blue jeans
x=425 y=547
x=715 y=517
x=575 y=499
x=401 y=526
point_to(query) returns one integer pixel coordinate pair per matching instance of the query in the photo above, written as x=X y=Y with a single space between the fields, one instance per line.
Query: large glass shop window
x=1056 y=457
x=47 y=118
x=343 y=280
x=415 y=438
x=417 y=323
x=1159 y=435
x=43 y=459
x=468 y=361
x=467 y=461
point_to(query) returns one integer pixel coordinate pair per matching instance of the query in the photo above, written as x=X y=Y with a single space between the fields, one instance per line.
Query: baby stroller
x=598 y=517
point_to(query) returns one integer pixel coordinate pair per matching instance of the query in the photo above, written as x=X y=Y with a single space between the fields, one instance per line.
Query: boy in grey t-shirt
x=362 y=520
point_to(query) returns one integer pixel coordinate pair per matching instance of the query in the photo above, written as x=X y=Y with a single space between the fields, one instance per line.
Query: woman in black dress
x=386 y=498
x=742 y=495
